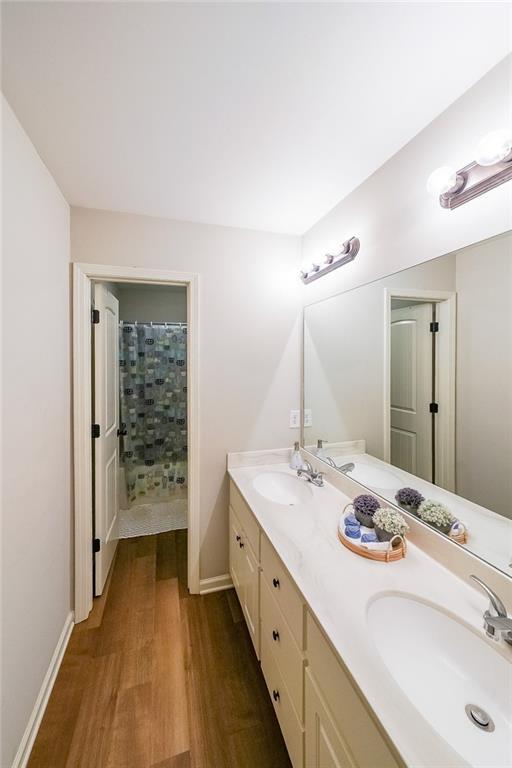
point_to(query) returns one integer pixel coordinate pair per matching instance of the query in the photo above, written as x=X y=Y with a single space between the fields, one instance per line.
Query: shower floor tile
x=157 y=517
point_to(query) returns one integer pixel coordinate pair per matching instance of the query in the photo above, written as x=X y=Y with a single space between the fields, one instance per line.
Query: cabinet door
x=250 y=597
x=324 y=746
x=236 y=558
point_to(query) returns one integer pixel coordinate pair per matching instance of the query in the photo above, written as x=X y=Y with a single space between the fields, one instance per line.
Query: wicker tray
x=396 y=552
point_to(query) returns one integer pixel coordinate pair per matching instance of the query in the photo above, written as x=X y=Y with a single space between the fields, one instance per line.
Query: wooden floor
x=157 y=678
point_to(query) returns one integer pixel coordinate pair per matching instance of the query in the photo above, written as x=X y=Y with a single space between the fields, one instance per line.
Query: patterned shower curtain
x=153 y=384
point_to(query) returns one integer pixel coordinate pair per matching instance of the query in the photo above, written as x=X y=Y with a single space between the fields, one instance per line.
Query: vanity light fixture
x=348 y=252
x=492 y=167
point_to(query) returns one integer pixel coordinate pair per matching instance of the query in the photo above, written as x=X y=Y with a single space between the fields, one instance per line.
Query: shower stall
x=153 y=416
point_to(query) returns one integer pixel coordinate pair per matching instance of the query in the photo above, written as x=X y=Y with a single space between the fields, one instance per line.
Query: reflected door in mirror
x=411 y=372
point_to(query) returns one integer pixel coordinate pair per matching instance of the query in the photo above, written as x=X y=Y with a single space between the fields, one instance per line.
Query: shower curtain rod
x=141 y=322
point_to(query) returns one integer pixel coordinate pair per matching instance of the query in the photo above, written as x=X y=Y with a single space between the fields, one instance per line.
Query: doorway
x=139 y=384
x=419 y=389
x=139 y=454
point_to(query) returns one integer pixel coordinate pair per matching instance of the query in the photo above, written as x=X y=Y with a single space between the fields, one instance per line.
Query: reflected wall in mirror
x=409 y=383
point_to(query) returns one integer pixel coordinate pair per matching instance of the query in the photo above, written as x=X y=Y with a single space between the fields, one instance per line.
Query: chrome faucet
x=497 y=623
x=309 y=473
x=344 y=467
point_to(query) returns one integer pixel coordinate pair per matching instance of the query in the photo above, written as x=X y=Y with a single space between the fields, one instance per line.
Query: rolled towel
x=352 y=531
x=368 y=538
x=352 y=520
x=378 y=546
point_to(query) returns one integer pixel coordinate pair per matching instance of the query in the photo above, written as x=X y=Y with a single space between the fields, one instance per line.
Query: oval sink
x=283 y=489
x=374 y=477
x=442 y=667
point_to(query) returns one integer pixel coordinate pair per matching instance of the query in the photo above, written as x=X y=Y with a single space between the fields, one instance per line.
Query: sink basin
x=283 y=489
x=442 y=666
x=374 y=477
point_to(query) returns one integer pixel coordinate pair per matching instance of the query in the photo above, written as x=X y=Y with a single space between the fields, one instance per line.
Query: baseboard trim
x=215 y=584
x=27 y=742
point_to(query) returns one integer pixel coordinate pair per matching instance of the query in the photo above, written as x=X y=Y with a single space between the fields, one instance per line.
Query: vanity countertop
x=339 y=586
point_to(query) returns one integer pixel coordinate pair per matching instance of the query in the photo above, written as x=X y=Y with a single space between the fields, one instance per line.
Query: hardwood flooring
x=158 y=678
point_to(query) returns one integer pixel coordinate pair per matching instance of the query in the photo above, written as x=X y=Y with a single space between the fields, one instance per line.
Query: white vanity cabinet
x=340 y=728
x=322 y=716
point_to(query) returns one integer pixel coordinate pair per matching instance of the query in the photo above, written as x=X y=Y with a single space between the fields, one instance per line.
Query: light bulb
x=494 y=147
x=442 y=180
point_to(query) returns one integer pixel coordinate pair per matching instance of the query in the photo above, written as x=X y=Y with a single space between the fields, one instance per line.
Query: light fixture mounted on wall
x=492 y=167
x=348 y=252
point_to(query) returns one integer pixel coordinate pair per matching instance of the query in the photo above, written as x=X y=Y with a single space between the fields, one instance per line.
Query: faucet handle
x=496 y=604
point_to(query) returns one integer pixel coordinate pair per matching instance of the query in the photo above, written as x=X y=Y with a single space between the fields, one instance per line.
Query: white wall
x=249 y=341
x=484 y=374
x=36 y=461
x=397 y=222
x=152 y=303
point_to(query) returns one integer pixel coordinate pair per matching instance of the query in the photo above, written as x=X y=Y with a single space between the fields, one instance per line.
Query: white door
x=411 y=369
x=106 y=446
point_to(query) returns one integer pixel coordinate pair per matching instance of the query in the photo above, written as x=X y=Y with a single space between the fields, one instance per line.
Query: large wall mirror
x=408 y=384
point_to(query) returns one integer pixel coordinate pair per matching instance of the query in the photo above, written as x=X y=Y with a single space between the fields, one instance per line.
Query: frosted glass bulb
x=442 y=180
x=494 y=147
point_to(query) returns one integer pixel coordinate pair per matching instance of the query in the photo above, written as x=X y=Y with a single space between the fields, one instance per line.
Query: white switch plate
x=308 y=417
x=294 y=419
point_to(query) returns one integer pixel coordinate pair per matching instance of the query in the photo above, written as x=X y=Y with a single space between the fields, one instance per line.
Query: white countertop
x=338 y=587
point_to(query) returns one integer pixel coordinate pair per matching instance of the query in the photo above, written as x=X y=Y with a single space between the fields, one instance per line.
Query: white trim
x=215 y=584
x=82 y=419
x=446 y=349
x=445 y=435
x=83 y=274
x=34 y=721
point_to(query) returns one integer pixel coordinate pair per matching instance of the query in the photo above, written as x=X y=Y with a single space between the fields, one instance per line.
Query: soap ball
x=353 y=531
x=365 y=507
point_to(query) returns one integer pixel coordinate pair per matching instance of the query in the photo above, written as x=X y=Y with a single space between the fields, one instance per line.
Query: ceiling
x=259 y=115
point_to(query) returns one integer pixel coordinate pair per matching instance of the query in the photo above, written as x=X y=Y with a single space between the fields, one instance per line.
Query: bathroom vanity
x=354 y=673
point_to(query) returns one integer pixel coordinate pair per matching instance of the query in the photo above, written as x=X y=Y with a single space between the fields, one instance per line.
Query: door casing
x=83 y=277
x=445 y=382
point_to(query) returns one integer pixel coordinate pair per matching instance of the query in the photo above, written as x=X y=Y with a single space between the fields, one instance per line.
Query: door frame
x=83 y=277
x=445 y=382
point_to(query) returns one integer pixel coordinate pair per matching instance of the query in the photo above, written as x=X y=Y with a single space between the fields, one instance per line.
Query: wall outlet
x=308 y=417
x=294 y=419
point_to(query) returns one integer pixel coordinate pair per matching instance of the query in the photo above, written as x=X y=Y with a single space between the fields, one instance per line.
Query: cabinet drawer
x=246 y=518
x=283 y=590
x=287 y=655
x=292 y=730
x=352 y=717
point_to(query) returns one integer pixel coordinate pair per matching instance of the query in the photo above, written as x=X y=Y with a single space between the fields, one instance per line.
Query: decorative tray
x=396 y=550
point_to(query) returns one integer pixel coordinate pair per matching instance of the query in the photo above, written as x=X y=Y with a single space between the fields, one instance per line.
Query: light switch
x=294 y=419
x=308 y=417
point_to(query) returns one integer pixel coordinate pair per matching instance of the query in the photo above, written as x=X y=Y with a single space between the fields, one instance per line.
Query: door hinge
x=95 y=430
x=96 y=545
x=434 y=408
x=434 y=327
x=95 y=316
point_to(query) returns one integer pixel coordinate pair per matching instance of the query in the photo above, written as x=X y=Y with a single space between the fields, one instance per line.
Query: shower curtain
x=153 y=397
